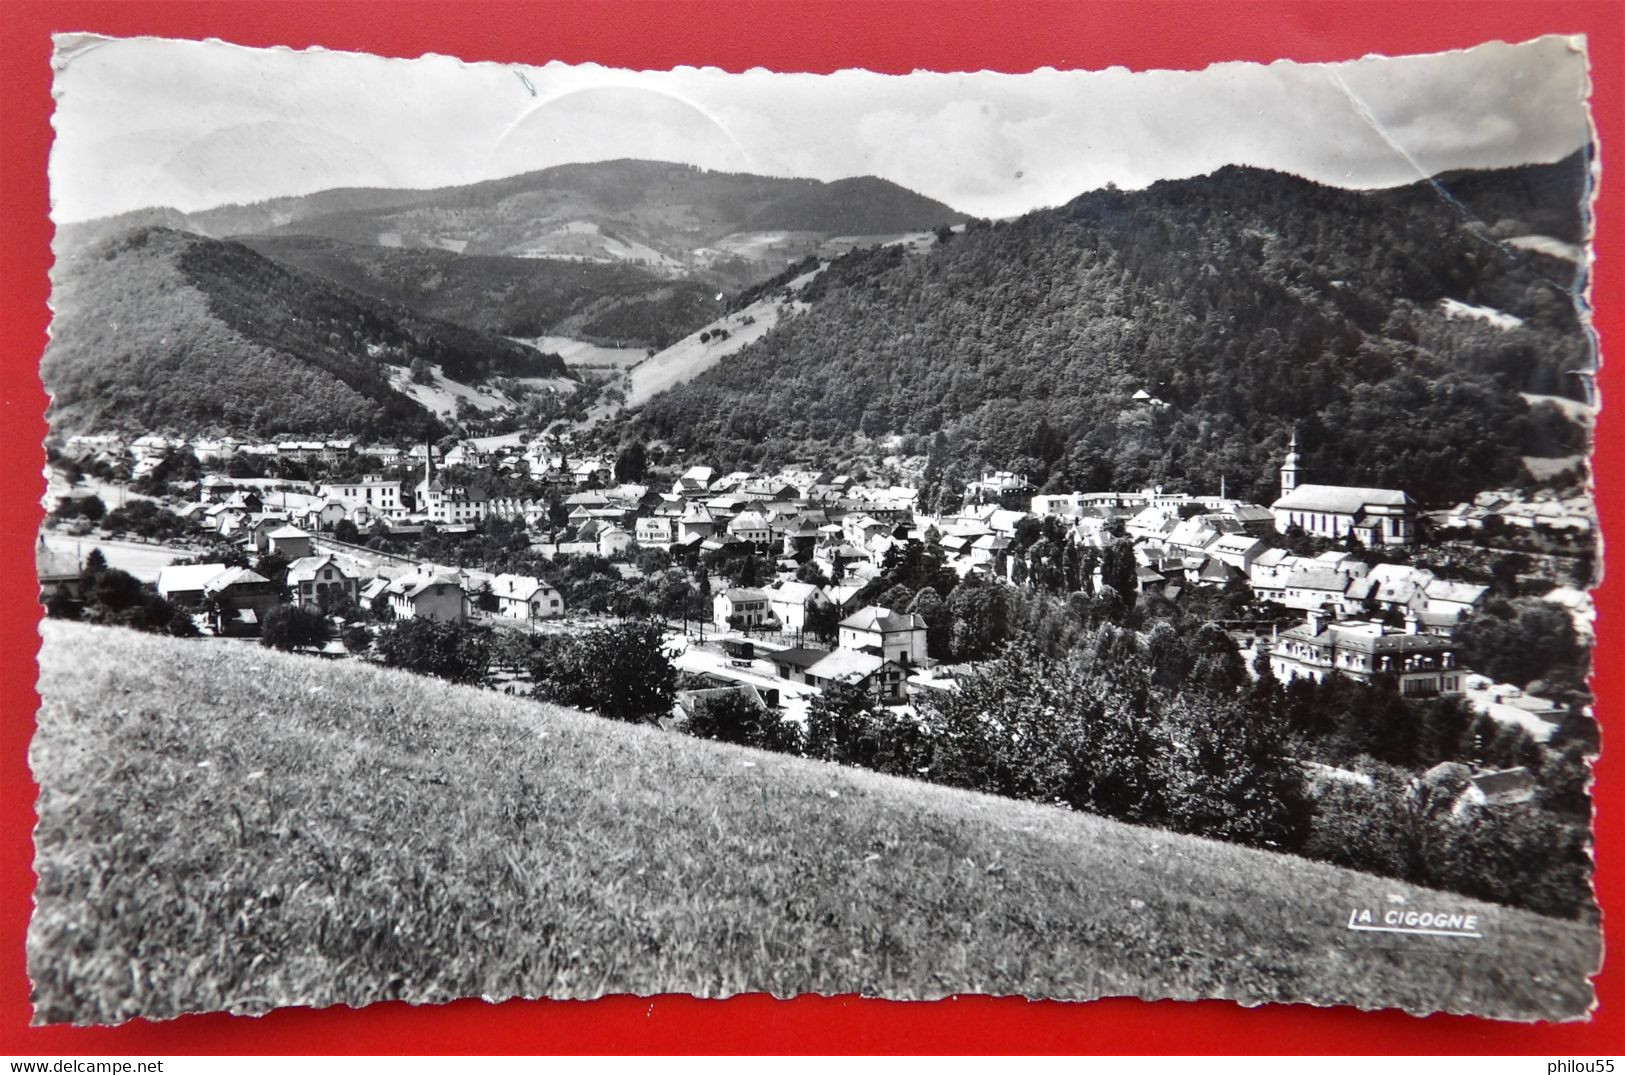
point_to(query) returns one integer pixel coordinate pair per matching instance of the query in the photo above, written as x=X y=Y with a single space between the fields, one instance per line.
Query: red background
x=791 y=36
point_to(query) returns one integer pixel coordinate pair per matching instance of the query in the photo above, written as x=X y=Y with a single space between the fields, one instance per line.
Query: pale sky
x=150 y=122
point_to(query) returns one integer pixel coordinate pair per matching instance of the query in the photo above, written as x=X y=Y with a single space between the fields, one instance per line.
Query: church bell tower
x=1289 y=468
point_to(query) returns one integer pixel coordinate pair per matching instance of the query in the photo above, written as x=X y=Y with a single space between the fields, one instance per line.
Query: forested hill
x=160 y=330
x=1247 y=301
x=616 y=304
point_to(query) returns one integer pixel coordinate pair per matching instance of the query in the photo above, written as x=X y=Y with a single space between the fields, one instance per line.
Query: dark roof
x=801 y=657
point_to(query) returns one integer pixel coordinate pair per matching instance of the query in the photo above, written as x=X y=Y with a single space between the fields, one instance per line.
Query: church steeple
x=1289 y=468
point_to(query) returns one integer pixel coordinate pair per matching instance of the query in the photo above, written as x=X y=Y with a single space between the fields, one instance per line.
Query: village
x=802 y=613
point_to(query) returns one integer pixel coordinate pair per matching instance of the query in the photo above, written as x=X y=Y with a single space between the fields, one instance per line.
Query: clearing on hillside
x=232 y=828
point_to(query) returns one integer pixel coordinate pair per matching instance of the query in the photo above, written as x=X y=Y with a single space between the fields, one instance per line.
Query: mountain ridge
x=669 y=215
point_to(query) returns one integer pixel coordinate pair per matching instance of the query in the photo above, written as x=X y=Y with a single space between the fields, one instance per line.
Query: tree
x=980 y=619
x=1119 y=570
x=457 y=652
x=273 y=566
x=1217 y=664
x=632 y=463
x=1225 y=774
x=291 y=627
x=823 y=621
x=939 y=623
x=897 y=598
x=346 y=531
x=1519 y=641
x=61 y=605
x=735 y=717
x=80 y=507
x=623 y=671
x=356 y=638
x=843 y=726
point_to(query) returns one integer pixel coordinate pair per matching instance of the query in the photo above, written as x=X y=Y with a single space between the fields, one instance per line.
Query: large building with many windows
x=1421 y=664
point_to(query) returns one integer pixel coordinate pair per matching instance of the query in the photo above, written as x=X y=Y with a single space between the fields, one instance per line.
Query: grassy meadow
x=232 y=828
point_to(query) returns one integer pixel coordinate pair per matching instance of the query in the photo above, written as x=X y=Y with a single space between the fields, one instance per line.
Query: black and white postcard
x=561 y=531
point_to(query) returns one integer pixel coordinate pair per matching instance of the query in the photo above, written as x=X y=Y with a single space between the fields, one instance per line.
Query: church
x=1373 y=516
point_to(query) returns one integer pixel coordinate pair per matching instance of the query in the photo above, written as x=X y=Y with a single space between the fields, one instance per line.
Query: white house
x=520 y=597
x=898 y=636
x=428 y=595
x=739 y=607
x=791 y=601
x=315 y=581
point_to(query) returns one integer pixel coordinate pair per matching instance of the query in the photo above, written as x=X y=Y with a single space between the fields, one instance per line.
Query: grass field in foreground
x=226 y=827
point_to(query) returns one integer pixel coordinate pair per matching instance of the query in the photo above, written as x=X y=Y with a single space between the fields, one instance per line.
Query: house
x=1253 y=519
x=1214 y=572
x=183 y=584
x=325 y=516
x=1152 y=523
x=1363 y=650
x=799 y=535
x=614 y=541
x=589 y=472
x=426 y=594
x=289 y=542
x=690 y=702
x=58 y=572
x=372 y=590
x=1237 y=550
x=836 y=560
x=897 y=636
x=1507 y=704
x=987 y=550
x=695 y=481
x=239 y=599
x=656 y=530
x=1501 y=787
x=1307 y=587
x=450 y=503
x=1191 y=536
x=321 y=582
x=792 y=664
x=259 y=530
x=751 y=528
x=1001 y=487
x=1450 y=600
x=1371 y=516
x=383 y=497
x=520 y=597
x=696 y=523
x=880 y=676
x=1150 y=580
x=862 y=530
x=742 y=608
x=790 y=602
